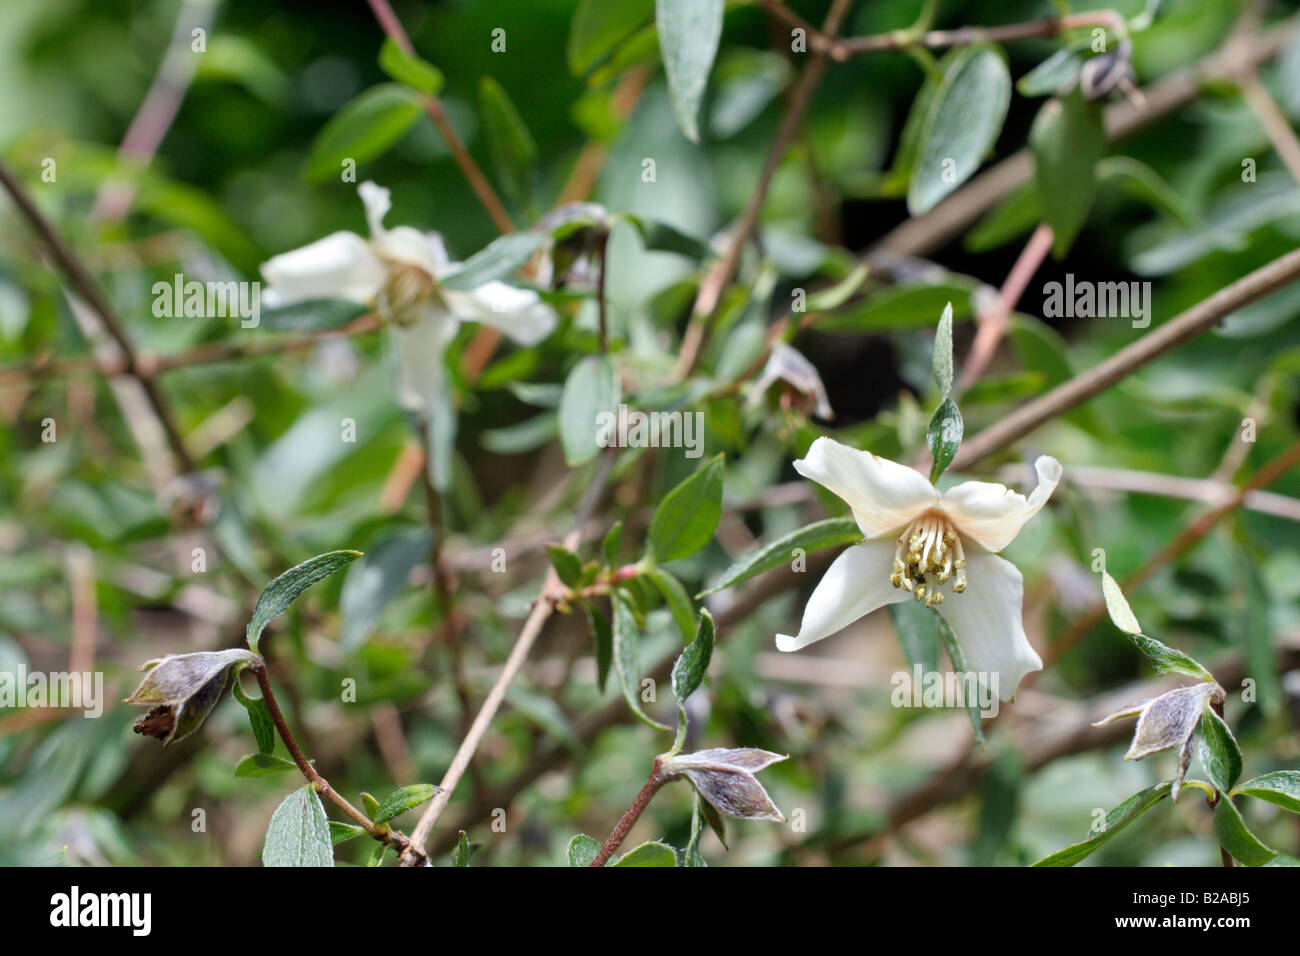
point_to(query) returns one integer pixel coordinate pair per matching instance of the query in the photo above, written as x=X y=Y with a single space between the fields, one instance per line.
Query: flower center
x=929 y=553
x=407 y=289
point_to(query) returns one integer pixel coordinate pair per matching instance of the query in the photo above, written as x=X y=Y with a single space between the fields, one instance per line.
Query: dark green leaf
x=957 y=657
x=678 y=601
x=919 y=633
x=685 y=520
x=364 y=129
x=1162 y=657
x=567 y=564
x=602 y=637
x=258 y=716
x=511 y=145
x=1236 y=838
x=609 y=547
x=299 y=834
x=601 y=25
x=627 y=659
x=284 y=590
x=943 y=437
x=660 y=237
x=693 y=662
x=1281 y=787
x=1068 y=140
x=462 y=850
x=1218 y=751
x=814 y=537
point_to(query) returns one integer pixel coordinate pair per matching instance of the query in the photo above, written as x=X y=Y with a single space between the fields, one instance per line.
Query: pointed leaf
x=284 y=590
x=689 y=31
x=1116 y=820
x=685 y=520
x=814 y=537
x=299 y=834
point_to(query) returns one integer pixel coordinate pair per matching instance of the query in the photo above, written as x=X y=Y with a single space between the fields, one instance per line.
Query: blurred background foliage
x=228 y=189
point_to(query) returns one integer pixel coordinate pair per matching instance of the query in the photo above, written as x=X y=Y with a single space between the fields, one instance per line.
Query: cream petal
x=884 y=495
x=992 y=514
x=340 y=266
x=378 y=201
x=519 y=313
x=419 y=352
x=855 y=584
x=986 y=620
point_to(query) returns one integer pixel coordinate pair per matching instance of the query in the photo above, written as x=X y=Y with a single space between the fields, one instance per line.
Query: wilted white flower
x=183 y=689
x=397 y=272
x=1169 y=720
x=916 y=542
x=787 y=364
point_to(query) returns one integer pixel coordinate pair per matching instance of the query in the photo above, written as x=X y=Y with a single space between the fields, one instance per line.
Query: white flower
x=916 y=542
x=787 y=364
x=396 y=272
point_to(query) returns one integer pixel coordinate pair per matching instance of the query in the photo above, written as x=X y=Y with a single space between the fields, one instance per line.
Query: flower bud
x=725 y=778
x=183 y=689
x=1104 y=72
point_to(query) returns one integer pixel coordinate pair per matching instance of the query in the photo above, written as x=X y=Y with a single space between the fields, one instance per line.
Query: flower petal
x=992 y=514
x=519 y=313
x=986 y=621
x=884 y=495
x=340 y=266
x=378 y=201
x=419 y=353
x=854 y=585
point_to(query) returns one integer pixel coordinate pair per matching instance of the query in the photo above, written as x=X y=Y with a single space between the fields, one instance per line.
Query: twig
x=1152 y=345
x=1274 y=121
x=939 y=39
x=89 y=290
x=642 y=800
x=707 y=299
x=385 y=835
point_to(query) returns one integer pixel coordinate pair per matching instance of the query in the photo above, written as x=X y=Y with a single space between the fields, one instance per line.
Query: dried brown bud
x=1104 y=72
x=725 y=778
x=183 y=689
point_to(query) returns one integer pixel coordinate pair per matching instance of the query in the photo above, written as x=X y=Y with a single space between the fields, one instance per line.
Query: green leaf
x=299 y=834
x=943 y=437
x=962 y=125
x=651 y=853
x=943 y=353
x=343 y=832
x=546 y=713
x=609 y=547
x=370 y=805
x=497 y=260
x=627 y=660
x=602 y=637
x=567 y=564
x=1121 y=615
x=590 y=394
x=896 y=308
x=511 y=145
x=311 y=315
x=601 y=25
x=678 y=601
x=689 y=31
x=693 y=662
x=376 y=857
x=1116 y=820
x=1163 y=657
x=919 y=633
x=409 y=69
x=1054 y=75
x=461 y=857
x=814 y=537
x=403 y=799
x=375 y=580
x=258 y=716
x=363 y=129
x=659 y=236
x=1068 y=139
x=957 y=657
x=1236 y=838
x=1142 y=182
x=1219 y=752
x=582 y=850
x=685 y=520
x=263 y=765
x=284 y=590
x=1281 y=788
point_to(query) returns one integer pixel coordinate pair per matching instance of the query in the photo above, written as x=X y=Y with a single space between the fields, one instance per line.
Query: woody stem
x=642 y=800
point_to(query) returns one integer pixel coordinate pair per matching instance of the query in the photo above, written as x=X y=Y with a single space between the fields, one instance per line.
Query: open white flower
x=396 y=272
x=787 y=364
x=918 y=541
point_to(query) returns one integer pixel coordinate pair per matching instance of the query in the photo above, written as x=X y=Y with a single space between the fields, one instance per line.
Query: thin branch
x=90 y=291
x=478 y=182
x=1274 y=121
x=940 y=39
x=642 y=800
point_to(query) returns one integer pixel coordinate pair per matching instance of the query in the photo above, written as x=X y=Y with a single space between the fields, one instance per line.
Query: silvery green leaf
x=582 y=850
x=689 y=31
x=589 y=391
x=183 y=689
x=943 y=353
x=1281 y=787
x=299 y=834
x=284 y=590
x=497 y=260
x=725 y=778
x=627 y=658
x=1055 y=75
